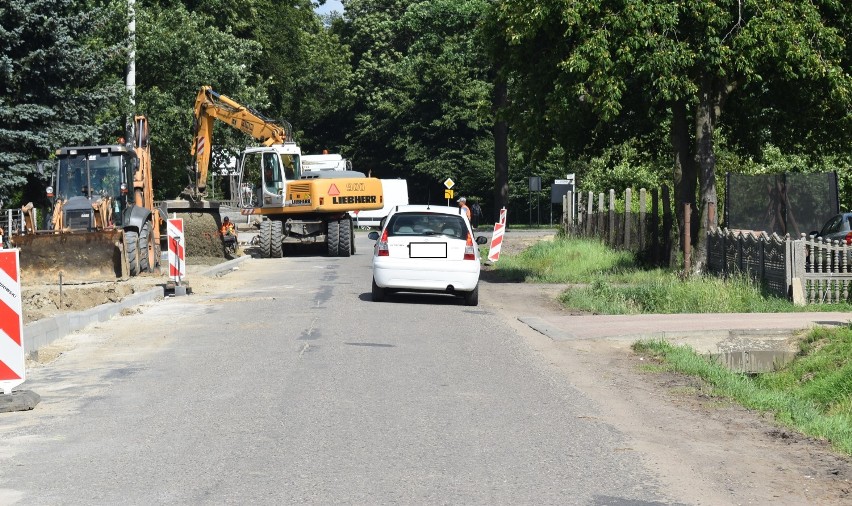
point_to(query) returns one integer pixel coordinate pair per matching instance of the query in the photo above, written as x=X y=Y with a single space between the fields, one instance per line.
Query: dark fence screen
x=780 y=203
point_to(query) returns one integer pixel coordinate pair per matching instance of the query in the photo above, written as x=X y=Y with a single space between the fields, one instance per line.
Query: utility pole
x=131 y=65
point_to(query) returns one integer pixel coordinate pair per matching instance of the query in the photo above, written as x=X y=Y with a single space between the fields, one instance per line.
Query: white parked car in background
x=425 y=248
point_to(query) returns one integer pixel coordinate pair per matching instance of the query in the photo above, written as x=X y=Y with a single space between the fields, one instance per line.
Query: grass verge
x=612 y=282
x=812 y=394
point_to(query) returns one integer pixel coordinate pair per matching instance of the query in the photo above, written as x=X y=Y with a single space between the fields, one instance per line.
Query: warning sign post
x=177 y=252
x=497 y=237
x=12 y=358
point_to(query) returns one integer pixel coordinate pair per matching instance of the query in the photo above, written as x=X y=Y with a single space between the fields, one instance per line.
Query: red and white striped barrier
x=177 y=252
x=12 y=358
x=497 y=237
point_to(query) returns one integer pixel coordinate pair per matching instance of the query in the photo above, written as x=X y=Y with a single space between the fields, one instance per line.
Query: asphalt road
x=289 y=385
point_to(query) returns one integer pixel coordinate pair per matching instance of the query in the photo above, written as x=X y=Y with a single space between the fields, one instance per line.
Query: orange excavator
x=292 y=206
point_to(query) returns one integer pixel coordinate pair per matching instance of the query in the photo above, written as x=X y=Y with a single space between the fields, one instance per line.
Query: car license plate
x=427 y=250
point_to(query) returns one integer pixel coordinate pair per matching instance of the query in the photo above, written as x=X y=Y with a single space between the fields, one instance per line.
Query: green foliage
x=405 y=88
x=811 y=394
x=581 y=70
x=620 y=167
x=422 y=86
x=823 y=372
x=612 y=282
x=178 y=52
x=60 y=84
x=567 y=261
x=668 y=294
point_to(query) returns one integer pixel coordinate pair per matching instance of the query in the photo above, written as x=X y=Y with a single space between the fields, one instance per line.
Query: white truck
x=395 y=192
x=324 y=162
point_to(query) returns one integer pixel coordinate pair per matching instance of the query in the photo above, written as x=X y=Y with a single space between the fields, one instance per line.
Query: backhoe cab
x=104 y=225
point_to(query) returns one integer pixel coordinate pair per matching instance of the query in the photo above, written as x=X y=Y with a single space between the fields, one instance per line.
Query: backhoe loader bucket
x=80 y=257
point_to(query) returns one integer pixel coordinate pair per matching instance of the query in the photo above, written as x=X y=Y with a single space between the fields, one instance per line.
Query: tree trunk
x=501 y=147
x=684 y=170
x=705 y=161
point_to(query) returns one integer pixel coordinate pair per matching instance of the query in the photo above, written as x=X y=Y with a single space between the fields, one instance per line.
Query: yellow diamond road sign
x=449 y=183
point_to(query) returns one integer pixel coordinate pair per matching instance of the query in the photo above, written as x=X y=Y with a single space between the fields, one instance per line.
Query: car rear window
x=427 y=224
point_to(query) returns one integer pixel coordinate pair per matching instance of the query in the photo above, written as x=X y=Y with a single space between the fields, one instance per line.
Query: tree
x=305 y=68
x=177 y=53
x=61 y=83
x=687 y=58
x=423 y=109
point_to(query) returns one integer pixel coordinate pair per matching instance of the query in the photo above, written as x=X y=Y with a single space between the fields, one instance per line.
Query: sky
x=330 y=5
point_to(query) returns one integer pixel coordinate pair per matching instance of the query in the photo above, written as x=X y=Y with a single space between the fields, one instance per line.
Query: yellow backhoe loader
x=104 y=226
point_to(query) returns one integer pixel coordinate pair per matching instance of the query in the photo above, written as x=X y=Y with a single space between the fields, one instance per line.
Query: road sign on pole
x=12 y=358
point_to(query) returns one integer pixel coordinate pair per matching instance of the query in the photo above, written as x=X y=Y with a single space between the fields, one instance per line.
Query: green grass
x=566 y=261
x=812 y=394
x=612 y=282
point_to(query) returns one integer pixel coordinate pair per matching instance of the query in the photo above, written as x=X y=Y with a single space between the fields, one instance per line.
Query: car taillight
x=848 y=238
x=469 y=252
x=382 y=245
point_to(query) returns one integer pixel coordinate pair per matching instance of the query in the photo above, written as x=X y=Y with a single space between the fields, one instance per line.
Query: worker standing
x=463 y=206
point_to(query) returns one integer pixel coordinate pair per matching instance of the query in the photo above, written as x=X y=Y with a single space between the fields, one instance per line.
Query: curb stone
x=42 y=332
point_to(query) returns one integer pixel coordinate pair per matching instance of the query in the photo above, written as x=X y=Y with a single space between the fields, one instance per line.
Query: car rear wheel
x=472 y=298
x=378 y=292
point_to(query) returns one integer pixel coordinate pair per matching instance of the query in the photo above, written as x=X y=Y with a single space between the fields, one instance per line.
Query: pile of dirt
x=201 y=232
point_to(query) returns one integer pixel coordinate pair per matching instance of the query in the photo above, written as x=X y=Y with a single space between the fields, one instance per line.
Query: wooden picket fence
x=645 y=231
x=806 y=269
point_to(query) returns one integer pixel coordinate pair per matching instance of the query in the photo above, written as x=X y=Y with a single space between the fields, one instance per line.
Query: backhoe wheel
x=353 y=239
x=276 y=250
x=345 y=246
x=265 y=239
x=132 y=239
x=144 y=245
x=332 y=238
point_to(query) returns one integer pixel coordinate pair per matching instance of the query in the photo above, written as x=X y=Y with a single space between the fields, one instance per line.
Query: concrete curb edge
x=40 y=333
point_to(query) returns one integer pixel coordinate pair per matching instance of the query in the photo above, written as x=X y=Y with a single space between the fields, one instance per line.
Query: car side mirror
x=373 y=235
x=481 y=239
x=812 y=233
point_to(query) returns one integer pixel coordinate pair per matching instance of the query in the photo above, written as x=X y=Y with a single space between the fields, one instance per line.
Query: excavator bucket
x=84 y=257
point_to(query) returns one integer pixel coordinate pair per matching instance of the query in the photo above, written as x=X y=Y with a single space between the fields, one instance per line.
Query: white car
x=425 y=248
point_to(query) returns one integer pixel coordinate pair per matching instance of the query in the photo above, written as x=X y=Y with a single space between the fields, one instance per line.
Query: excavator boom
x=211 y=106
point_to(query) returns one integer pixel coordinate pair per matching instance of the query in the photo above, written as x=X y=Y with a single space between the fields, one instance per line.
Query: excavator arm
x=211 y=106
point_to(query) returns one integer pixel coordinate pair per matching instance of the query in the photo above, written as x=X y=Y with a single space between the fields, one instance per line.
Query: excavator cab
x=264 y=173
